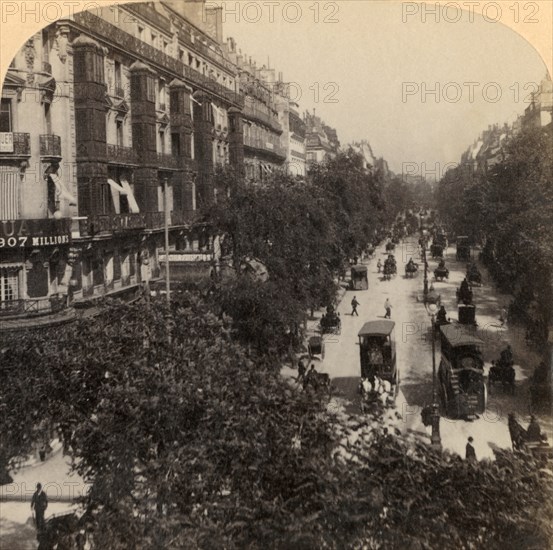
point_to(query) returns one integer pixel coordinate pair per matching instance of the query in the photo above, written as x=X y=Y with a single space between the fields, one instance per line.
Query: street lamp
x=435 y=439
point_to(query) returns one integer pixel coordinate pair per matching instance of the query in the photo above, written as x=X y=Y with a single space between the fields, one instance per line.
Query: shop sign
x=34 y=233
x=6 y=142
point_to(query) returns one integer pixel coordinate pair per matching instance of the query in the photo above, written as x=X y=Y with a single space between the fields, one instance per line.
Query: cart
x=359 y=279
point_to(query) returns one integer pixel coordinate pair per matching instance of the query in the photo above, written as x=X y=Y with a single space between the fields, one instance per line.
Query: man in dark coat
x=354 y=304
x=470 y=453
x=39 y=503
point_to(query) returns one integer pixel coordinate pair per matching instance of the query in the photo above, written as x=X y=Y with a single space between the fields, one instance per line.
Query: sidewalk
x=17 y=529
x=59 y=483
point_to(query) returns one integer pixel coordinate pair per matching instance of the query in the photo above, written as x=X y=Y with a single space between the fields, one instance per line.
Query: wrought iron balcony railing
x=50 y=146
x=117 y=154
x=15 y=144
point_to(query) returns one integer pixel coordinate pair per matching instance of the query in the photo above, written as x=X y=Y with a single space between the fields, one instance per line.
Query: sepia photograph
x=276 y=275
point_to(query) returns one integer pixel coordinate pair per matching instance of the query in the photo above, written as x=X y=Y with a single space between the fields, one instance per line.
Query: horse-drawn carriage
x=359 y=280
x=463 y=249
x=436 y=250
x=461 y=372
x=331 y=323
x=502 y=374
x=529 y=441
x=474 y=277
x=441 y=272
x=390 y=246
x=464 y=293
x=377 y=350
x=411 y=268
x=441 y=239
x=390 y=267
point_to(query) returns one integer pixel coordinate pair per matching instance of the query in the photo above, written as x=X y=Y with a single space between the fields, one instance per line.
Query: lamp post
x=166 y=228
x=167 y=278
x=435 y=439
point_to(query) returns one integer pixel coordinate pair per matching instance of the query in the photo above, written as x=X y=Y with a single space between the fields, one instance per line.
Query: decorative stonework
x=30 y=55
x=61 y=41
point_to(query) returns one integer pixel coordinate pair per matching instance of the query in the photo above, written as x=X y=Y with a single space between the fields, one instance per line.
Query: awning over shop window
x=123 y=189
x=133 y=205
x=62 y=190
x=116 y=190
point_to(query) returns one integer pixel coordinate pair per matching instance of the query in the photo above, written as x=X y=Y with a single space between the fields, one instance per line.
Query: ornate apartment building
x=264 y=152
x=109 y=119
x=321 y=140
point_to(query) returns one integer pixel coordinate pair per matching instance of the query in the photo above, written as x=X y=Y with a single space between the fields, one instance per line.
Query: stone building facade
x=110 y=120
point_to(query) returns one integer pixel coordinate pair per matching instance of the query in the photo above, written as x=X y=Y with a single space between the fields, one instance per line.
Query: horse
x=317 y=381
x=517 y=432
x=502 y=373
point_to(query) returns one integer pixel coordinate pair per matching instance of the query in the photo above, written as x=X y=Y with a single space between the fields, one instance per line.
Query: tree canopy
x=200 y=443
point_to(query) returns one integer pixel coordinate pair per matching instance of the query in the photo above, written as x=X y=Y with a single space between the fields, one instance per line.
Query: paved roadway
x=414 y=351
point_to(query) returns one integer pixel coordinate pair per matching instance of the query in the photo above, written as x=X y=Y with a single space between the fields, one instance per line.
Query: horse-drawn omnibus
x=463 y=249
x=359 y=280
x=461 y=372
x=377 y=349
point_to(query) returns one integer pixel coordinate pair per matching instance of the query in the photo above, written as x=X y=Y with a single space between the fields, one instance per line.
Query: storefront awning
x=123 y=189
x=133 y=205
x=62 y=190
x=116 y=190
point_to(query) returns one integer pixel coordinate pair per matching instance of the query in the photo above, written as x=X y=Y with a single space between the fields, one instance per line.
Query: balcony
x=106 y=223
x=145 y=52
x=15 y=145
x=155 y=220
x=260 y=145
x=262 y=117
x=121 y=155
x=30 y=307
x=50 y=146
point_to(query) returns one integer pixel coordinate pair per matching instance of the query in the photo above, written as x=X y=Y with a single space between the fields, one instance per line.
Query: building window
x=6 y=115
x=9 y=285
x=120 y=133
x=181 y=55
x=190 y=60
x=154 y=40
x=118 y=84
x=162 y=141
x=165 y=46
x=140 y=32
x=47 y=119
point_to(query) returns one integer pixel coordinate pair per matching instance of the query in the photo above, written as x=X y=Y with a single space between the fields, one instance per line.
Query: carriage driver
x=441 y=317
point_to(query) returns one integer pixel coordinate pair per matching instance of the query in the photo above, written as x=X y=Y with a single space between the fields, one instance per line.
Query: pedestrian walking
x=470 y=453
x=354 y=304
x=388 y=308
x=379 y=265
x=39 y=503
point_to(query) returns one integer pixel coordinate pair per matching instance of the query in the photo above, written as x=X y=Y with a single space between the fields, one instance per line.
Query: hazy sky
x=380 y=63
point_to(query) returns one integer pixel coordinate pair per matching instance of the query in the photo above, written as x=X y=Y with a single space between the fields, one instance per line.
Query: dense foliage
x=509 y=209
x=304 y=232
x=199 y=444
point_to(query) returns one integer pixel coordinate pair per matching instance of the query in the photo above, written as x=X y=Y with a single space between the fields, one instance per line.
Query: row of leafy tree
x=304 y=233
x=200 y=443
x=509 y=208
